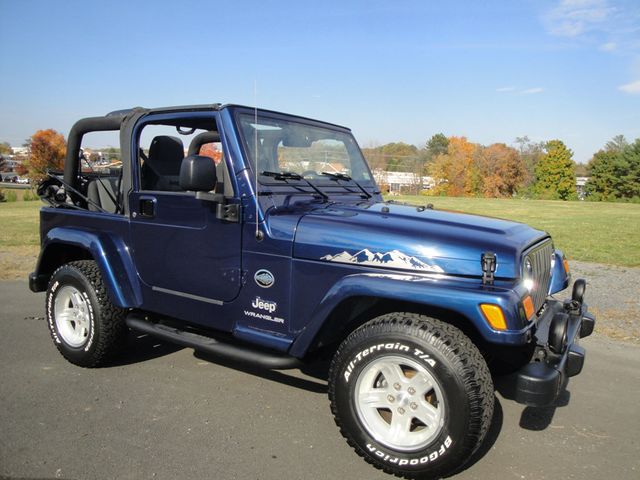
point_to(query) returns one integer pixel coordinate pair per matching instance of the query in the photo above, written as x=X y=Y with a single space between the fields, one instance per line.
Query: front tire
x=85 y=326
x=411 y=394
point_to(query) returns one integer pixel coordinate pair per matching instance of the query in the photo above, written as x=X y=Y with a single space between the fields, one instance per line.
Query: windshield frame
x=321 y=181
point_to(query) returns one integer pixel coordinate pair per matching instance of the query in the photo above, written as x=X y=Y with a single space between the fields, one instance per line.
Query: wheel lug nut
x=401 y=411
x=414 y=405
x=391 y=398
x=396 y=386
x=411 y=390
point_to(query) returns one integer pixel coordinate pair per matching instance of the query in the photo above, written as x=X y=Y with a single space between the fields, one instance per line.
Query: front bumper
x=557 y=356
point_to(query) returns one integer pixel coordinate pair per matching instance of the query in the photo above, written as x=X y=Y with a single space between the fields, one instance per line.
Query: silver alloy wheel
x=72 y=316
x=399 y=403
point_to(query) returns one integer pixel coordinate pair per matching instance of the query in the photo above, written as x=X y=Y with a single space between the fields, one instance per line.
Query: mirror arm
x=210 y=197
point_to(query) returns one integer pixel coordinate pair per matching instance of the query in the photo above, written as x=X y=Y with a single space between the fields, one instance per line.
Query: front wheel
x=411 y=394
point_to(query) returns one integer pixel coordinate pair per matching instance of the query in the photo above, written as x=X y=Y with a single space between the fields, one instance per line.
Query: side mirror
x=198 y=174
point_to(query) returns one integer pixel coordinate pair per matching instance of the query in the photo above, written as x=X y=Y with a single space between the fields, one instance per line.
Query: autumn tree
x=454 y=172
x=501 y=169
x=5 y=149
x=555 y=173
x=48 y=149
x=210 y=150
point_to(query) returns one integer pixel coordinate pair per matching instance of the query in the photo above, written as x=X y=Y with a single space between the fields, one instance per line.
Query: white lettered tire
x=85 y=326
x=411 y=394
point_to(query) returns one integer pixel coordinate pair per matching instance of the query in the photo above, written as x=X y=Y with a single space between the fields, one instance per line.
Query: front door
x=182 y=250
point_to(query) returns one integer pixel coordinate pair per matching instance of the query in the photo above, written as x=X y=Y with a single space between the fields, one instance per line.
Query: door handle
x=147 y=207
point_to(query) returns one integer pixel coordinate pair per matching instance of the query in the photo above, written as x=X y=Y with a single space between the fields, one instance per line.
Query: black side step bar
x=238 y=353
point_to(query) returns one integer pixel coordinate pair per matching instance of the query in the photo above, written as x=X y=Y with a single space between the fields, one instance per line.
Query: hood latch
x=489 y=263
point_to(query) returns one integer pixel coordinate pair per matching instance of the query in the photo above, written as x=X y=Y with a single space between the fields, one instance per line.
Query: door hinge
x=229 y=213
x=489 y=263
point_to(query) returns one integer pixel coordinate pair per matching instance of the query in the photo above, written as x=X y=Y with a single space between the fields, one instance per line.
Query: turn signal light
x=565 y=263
x=494 y=316
x=527 y=303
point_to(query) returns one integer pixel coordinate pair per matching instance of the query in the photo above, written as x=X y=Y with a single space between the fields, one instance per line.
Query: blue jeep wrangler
x=262 y=237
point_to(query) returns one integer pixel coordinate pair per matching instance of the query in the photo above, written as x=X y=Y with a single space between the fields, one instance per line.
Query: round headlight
x=527 y=273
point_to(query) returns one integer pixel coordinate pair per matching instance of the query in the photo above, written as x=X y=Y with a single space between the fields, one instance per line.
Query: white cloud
x=572 y=18
x=520 y=91
x=532 y=91
x=609 y=47
x=632 y=88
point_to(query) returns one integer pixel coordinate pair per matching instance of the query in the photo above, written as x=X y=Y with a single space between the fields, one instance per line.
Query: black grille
x=540 y=257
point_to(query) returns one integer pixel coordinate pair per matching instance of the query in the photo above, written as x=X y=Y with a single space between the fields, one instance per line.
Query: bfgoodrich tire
x=411 y=394
x=85 y=326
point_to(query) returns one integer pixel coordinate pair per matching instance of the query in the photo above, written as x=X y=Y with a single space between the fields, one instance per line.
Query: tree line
x=544 y=170
x=457 y=166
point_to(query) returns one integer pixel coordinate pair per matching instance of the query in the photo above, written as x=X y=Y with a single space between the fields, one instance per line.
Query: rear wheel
x=85 y=326
x=411 y=394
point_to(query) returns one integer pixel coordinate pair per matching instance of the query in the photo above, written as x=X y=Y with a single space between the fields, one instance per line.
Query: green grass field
x=19 y=224
x=592 y=232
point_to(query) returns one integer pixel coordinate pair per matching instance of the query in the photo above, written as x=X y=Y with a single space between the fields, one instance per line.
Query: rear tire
x=85 y=326
x=411 y=394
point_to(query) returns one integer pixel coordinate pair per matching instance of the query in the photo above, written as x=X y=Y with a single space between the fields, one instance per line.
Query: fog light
x=579 y=287
x=494 y=316
x=527 y=303
x=558 y=332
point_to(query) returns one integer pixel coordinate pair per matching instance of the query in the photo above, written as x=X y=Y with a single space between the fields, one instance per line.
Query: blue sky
x=392 y=71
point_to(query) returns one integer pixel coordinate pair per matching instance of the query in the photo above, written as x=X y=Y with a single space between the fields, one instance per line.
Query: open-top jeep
x=262 y=237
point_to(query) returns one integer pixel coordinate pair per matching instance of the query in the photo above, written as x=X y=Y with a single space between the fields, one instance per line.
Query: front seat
x=161 y=171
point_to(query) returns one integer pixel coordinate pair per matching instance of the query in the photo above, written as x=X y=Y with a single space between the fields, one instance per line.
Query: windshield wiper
x=346 y=178
x=294 y=176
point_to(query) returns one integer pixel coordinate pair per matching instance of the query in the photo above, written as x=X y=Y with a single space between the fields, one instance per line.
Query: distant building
x=20 y=150
x=399 y=182
x=580 y=183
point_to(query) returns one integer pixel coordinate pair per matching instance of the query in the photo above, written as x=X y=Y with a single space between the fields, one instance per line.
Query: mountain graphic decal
x=392 y=259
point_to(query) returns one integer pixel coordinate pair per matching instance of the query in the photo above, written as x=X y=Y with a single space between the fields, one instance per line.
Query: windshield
x=290 y=146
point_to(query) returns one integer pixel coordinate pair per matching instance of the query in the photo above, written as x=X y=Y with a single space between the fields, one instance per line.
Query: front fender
x=559 y=277
x=110 y=253
x=460 y=295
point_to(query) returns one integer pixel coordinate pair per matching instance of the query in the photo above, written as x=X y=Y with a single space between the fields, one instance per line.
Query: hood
x=410 y=238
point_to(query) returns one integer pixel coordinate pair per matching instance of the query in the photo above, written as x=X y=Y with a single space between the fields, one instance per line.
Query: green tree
x=437 y=145
x=5 y=149
x=615 y=171
x=555 y=173
x=603 y=180
x=630 y=184
x=400 y=156
x=616 y=144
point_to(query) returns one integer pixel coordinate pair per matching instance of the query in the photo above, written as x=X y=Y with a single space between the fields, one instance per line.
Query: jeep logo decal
x=264 y=278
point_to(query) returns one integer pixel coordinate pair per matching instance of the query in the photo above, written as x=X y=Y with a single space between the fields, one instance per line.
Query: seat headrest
x=166 y=154
x=202 y=139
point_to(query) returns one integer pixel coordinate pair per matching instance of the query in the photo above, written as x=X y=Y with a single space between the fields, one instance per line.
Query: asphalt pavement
x=164 y=412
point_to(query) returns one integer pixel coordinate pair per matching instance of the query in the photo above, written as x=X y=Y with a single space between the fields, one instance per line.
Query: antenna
x=259 y=234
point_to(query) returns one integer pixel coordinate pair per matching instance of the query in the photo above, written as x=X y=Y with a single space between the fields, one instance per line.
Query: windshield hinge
x=488 y=260
x=229 y=213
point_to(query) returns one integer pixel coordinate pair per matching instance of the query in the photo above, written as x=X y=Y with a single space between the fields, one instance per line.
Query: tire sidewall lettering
x=388 y=347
